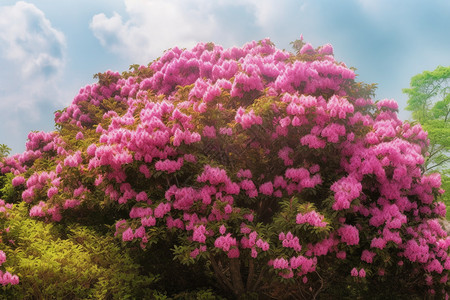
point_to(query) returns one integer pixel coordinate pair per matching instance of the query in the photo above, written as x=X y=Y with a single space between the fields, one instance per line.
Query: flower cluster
x=6 y=277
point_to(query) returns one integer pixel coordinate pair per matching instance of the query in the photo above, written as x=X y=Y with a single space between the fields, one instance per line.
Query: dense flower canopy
x=248 y=154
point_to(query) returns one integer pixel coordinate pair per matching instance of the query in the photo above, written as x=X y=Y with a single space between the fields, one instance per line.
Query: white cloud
x=153 y=26
x=28 y=39
x=268 y=13
x=32 y=56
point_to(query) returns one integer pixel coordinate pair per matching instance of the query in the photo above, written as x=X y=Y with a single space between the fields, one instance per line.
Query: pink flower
x=247 y=119
x=387 y=103
x=339 y=107
x=349 y=234
x=2 y=257
x=71 y=203
x=284 y=155
x=280 y=263
x=228 y=209
x=79 y=136
x=170 y=166
x=162 y=209
x=362 y=273
x=367 y=256
x=312 y=218
x=226 y=131
x=209 y=131
x=326 y=49
x=199 y=234
x=127 y=235
x=312 y=141
x=266 y=188
x=346 y=189
x=379 y=243
x=341 y=254
x=307 y=48
x=144 y=170
x=194 y=253
x=52 y=191
x=222 y=229
x=18 y=180
x=354 y=272
x=148 y=221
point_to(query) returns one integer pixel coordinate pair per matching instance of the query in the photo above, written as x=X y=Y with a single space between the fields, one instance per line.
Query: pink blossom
x=127 y=235
x=266 y=188
x=209 y=131
x=346 y=189
x=79 y=136
x=148 y=221
x=362 y=273
x=313 y=218
x=52 y=191
x=144 y=170
x=194 y=253
x=379 y=243
x=307 y=48
x=226 y=131
x=284 y=155
x=349 y=234
x=2 y=257
x=170 y=166
x=71 y=203
x=312 y=141
x=244 y=173
x=339 y=107
x=199 y=234
x=341 y=254
x=18 y=180
x=367 y=256
x=162 y=209
x=280 y=263
x=247 y=119
x=387 y=103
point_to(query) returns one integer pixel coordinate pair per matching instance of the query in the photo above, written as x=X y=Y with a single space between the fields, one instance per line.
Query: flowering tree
x=273 y=169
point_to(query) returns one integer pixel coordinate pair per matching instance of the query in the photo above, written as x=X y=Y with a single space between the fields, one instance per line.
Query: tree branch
x=236 y=278
x=251 y=274
x=219 y=274
x=438 y=164
x=321 y=286
x=258 y=281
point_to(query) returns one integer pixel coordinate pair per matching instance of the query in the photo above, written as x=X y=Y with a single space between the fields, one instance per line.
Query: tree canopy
x=249 y=172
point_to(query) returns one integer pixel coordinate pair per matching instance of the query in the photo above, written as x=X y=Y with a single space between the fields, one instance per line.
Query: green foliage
x=54 y=262
x=7 y=191
x=206 y=294
x=429 y=102
x=4 y=150
x=428 y=94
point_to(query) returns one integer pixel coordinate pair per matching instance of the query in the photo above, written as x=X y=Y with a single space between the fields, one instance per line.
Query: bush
x=68 y=263
x=272 y=172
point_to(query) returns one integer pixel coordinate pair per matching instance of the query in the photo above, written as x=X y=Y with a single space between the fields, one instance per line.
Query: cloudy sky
x=50 y=49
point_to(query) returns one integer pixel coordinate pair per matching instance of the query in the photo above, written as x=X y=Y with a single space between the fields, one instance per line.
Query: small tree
x=4 y=150
x=429 y=101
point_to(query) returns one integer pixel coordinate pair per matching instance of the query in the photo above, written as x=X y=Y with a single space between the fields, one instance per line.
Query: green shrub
x=76 y=262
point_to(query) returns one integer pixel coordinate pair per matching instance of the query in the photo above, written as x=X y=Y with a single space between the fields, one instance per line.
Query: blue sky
x=50 y=49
